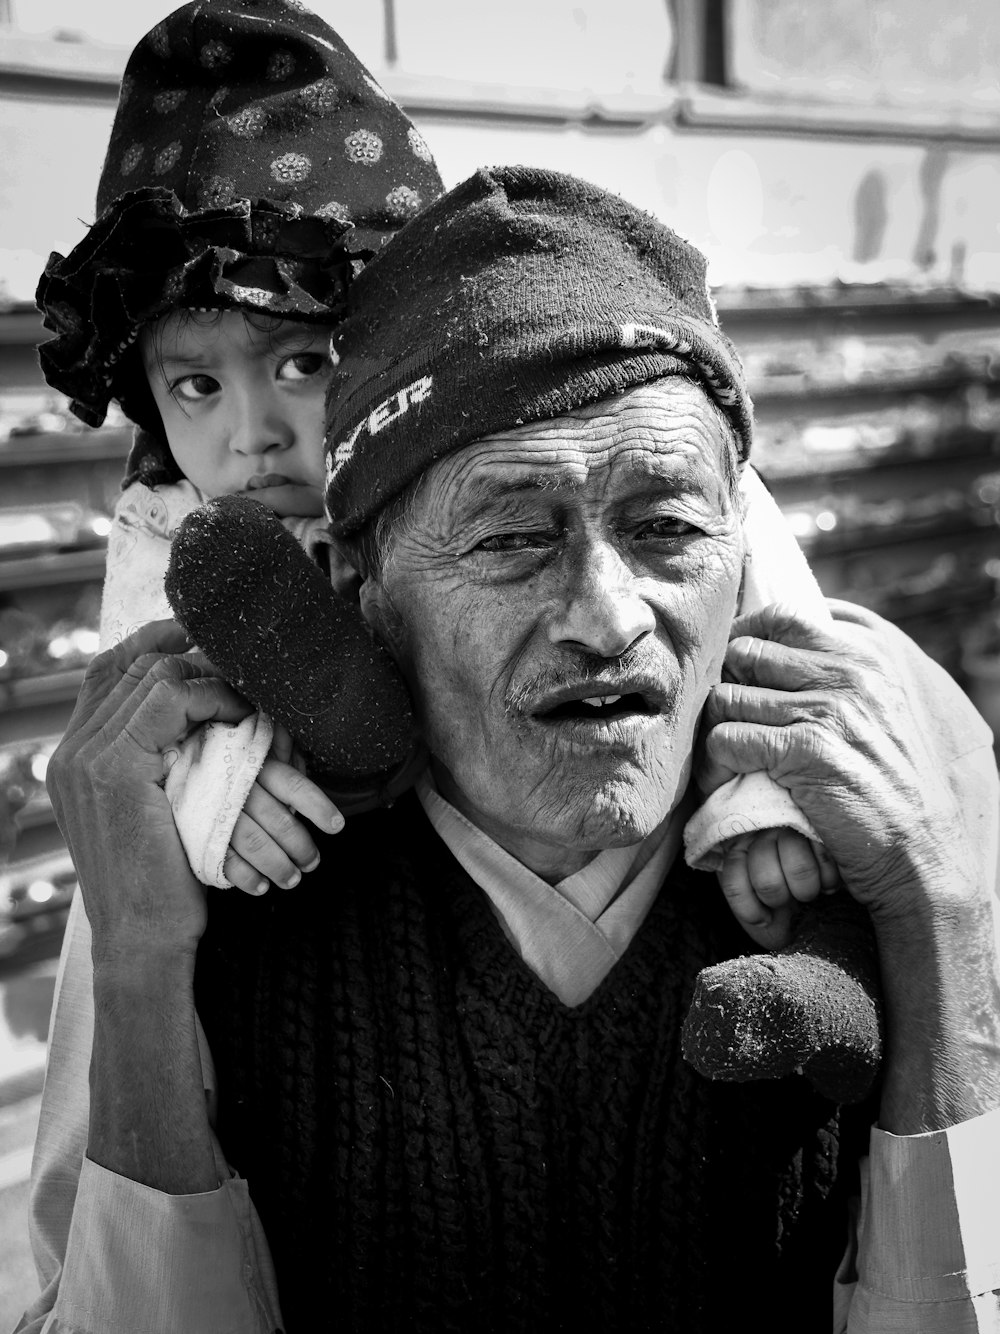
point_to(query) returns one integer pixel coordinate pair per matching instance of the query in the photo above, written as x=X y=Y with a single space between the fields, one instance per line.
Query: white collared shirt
x=572 y=933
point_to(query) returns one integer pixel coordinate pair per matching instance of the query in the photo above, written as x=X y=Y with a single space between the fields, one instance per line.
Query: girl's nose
x=260 y=422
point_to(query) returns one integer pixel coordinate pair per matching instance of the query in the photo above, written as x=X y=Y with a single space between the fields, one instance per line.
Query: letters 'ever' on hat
x=253 y=161
x=520 y=295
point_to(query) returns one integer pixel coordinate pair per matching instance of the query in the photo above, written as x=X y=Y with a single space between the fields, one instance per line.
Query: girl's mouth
x=266 y=479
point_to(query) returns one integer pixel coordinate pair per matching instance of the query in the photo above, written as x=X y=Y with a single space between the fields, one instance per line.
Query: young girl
x=254 y=166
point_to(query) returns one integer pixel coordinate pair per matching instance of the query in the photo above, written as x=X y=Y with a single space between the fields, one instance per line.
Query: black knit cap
x=253 y=162
x=520 y=295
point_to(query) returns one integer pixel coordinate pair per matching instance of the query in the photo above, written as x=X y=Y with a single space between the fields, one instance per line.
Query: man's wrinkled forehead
x=661 y=437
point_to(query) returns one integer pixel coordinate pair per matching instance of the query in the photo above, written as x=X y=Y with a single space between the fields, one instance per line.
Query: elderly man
x=447 y=1066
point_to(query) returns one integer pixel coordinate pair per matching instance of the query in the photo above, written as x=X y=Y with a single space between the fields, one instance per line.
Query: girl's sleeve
x=215 y=768
x=144 y=524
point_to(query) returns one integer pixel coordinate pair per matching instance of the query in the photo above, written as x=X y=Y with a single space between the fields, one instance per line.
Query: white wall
x=768 y=208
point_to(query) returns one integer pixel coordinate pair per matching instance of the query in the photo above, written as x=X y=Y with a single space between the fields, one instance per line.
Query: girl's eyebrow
x=181 y=359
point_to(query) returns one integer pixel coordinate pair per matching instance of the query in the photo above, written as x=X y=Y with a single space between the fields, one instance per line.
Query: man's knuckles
x=742 y=747
x=783 y=623
x=775 y=666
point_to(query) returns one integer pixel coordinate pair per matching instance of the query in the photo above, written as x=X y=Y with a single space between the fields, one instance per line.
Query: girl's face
x=242 y=403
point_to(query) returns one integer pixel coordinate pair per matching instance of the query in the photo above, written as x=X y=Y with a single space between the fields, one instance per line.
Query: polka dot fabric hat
x=253 y=161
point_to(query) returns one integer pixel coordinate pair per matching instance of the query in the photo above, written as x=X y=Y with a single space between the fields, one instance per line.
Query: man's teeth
x=599 y=701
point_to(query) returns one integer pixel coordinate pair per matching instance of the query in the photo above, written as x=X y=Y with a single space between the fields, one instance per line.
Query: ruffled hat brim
x=147 y=254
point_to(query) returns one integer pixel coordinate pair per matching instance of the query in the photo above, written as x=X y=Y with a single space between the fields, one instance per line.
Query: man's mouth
x=598 y=708
x=601 y=703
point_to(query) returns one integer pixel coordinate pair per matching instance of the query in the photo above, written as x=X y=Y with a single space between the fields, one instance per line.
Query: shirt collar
x=571 y=933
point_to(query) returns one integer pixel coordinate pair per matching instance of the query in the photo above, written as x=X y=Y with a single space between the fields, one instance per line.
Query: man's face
x=560 y=599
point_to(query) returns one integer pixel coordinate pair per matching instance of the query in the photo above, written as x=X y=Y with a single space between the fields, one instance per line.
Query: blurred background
x=839 y=162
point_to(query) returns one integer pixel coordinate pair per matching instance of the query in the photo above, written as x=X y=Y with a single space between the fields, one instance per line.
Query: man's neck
x=550 y=862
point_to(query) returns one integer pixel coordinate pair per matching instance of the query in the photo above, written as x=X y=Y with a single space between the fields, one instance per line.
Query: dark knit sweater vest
x=435 y=1142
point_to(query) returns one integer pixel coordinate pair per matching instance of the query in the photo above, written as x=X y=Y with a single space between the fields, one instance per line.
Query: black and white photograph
x=499 y=666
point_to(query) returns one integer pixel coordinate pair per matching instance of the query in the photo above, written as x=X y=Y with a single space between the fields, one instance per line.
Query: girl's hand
x=270 y=842
x=766 y=874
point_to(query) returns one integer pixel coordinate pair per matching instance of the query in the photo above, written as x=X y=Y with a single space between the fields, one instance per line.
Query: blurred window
x=897 y=53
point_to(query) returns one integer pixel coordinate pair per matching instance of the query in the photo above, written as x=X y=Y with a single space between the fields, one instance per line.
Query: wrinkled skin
x=595 y=555
x=833 y=716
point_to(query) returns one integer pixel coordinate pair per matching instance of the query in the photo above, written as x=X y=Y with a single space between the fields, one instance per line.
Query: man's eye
x=666 y=527
x=303 y=366
x=504 y=542
x=194 y=388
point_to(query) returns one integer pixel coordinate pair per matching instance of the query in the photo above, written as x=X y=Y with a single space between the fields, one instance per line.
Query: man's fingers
x=729 y=702
x=752 y=661
x=140 y=719
x=115 y=668
x=291 y=787
x=785 y=623
x=733 y=748
x=169 y=702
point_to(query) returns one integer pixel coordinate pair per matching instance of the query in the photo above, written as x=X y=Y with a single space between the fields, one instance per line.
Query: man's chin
x=612 y=814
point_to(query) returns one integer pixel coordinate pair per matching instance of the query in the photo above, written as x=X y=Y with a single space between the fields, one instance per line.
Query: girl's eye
x=303 y=366
x=194 y=388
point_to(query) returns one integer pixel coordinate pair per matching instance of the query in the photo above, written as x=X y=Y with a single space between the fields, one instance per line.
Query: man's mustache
x=645 y=670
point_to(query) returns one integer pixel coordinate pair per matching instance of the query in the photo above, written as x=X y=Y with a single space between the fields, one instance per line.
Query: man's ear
x=371 y=598
x=344 y=578
x=383 y=619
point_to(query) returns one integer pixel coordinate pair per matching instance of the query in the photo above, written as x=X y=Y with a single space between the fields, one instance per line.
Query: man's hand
x=269 y=843
x=831 y=717
x=832 y=724
x=148 y=1117
x=106 y=784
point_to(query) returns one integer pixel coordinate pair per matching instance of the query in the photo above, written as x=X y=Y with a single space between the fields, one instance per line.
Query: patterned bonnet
x=253 y=162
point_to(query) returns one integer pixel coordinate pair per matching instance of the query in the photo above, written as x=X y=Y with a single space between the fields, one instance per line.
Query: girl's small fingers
x=281 y=743
x=289 y=786
x=256 y=846
x=768 y=927
x=283 y=826
x=241 y=875
x=766 y=874
x=829 y=872
x=799 y=865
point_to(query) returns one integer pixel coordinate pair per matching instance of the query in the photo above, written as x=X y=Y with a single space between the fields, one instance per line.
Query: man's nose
x=602 y=612
x=260 y=422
